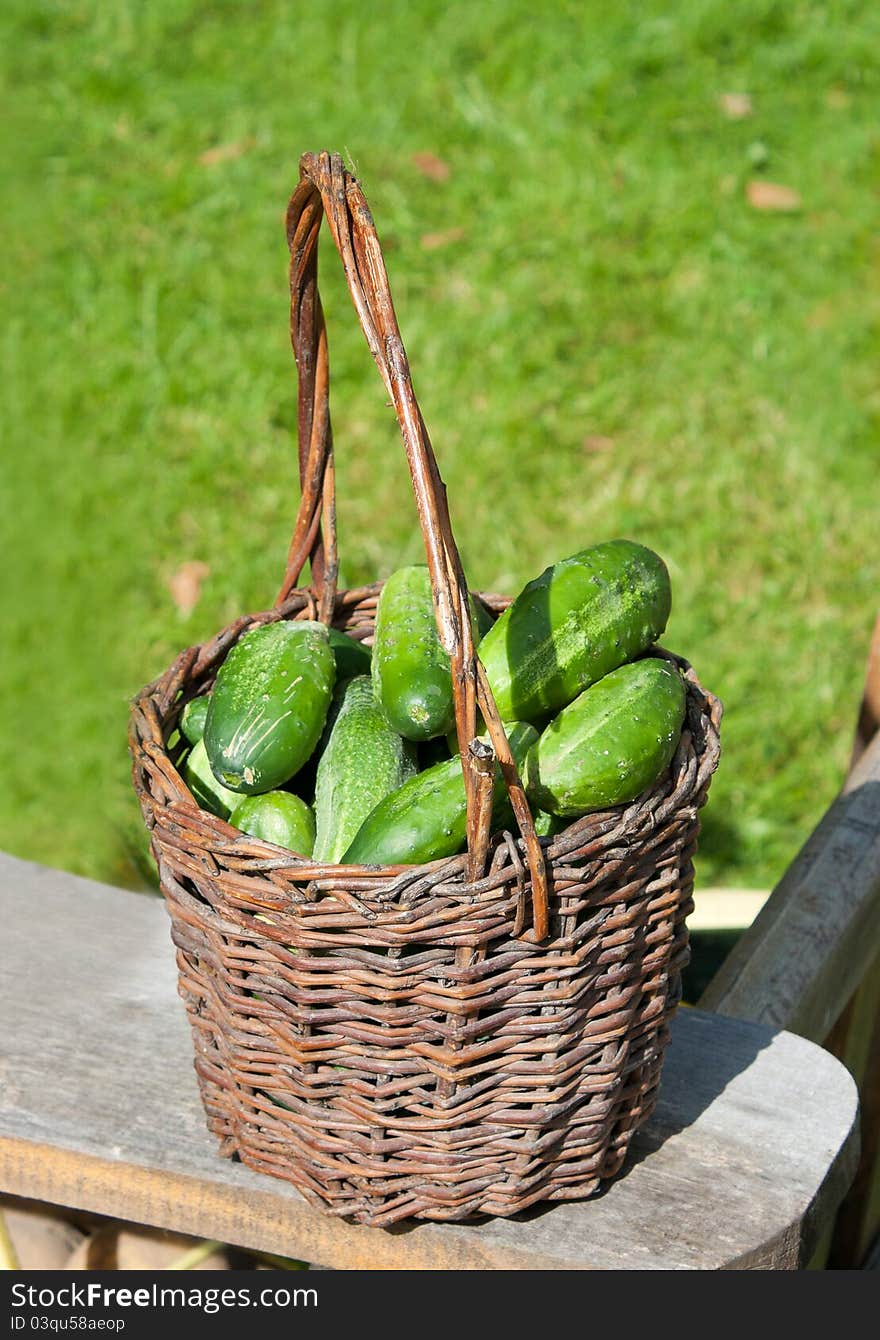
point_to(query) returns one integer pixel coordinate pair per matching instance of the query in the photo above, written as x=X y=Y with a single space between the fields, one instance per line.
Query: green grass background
x=618 y=344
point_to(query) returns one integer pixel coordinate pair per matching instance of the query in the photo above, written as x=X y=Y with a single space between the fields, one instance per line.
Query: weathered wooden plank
x=810 y=946
x=856 y=1042
x=748 y=1154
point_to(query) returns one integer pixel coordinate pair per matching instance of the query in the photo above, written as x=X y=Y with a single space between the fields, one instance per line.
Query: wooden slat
x=810 y=946
x=748 y=1154
x=856 y=1042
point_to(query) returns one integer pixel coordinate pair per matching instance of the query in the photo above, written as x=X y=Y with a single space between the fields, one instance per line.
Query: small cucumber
x=207 y=791
x=427 y=817
x=192 y=718
x=351 y=657
x=279 y=817
x=611 y=743
x=269 y=704
x=547 y=825
x=483 y=619
x=410 y=669
x=363 y=761
x=579 y=620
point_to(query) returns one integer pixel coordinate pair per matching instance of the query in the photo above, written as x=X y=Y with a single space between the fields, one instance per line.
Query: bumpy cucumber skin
x=613 y=742
x=427 y=817
x=269 y=705
x=279 y=817
x=410 y=668
x=209 y=794
x=192 y=719
x=352 y=658
x=363 y=761
x=411 y=673
x=579 y=620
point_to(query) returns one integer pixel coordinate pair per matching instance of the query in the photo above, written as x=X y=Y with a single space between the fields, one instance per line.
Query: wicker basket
x=471 y=1036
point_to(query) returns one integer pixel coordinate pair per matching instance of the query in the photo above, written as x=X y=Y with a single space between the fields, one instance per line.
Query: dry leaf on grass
x=769 y=195
x=431 y=241
x=226 y=153
x=185 y=585
x=595 y=442
x=432 y=167
x=735 y=105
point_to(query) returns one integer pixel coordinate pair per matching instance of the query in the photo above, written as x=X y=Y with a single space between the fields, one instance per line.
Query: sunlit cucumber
x=427 y=817
x=363 y=761
x=612 y=743
x=279 y=817
x=411 y=673
x=209 y=794
x=269 y=704
x=192 y=719
x=579 y=620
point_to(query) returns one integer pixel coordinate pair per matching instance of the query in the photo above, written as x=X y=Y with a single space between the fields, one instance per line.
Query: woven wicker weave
x=471 y=1036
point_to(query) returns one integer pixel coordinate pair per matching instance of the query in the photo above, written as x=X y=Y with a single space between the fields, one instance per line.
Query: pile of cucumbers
x=311 y=741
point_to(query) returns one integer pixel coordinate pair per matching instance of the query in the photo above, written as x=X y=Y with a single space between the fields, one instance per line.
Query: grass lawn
x=607 y=337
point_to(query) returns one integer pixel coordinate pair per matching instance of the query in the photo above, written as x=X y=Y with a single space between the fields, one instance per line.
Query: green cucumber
x=484 y=618
x=351 y=657
x=192 y=719
x=269 y=704
x=279 y=817
x=579 y=620
x=427 y=817
x=363 y=761
x=207 y=791
x=410 y=668
x=546 y=824
x=613 y=742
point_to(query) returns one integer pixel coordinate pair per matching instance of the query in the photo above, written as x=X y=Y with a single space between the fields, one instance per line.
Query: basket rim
x=157 y=707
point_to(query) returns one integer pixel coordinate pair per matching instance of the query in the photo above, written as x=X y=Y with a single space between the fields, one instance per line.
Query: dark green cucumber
x=427 y=817
x=351 y=657
x=410 y=668
x=613 y=742
x=363 y=761
x=575 y=623
x=547 y=825
x=207 y=791
x=269 y=704
x=483 y=617
x=279 y=817
x=192 y=719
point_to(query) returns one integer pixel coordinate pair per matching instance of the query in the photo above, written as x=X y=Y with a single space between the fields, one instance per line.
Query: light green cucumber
x=192 y=718
x=427 y=817
x=613 y=742
x=269 y=705
x=209 y=794
x=279 y=817
x=577 y=621
x=363 y=761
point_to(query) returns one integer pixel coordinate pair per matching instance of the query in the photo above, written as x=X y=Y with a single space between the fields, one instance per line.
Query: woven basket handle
x=326 y=187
